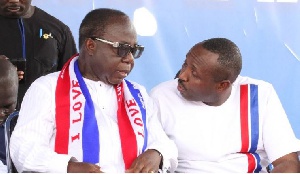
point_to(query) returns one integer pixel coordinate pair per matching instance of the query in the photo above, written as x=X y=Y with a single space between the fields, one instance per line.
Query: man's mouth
x=123 y=74
x=14 y=9
x=180 y=87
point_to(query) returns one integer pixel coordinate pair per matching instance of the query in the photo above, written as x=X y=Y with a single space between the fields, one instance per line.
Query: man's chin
x=183 y=94
x=187 y=96
x=13 y=15
x=115 y=81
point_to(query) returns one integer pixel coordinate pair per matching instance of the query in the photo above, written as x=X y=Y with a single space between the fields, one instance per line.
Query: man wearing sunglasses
x=8 y=100
x=87 y=117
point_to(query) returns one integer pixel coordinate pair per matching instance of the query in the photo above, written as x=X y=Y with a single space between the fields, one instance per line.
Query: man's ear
x=223 y=85
x=90 y=46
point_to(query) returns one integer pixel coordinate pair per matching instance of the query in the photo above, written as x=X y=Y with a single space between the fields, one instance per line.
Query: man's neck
x=221 y=99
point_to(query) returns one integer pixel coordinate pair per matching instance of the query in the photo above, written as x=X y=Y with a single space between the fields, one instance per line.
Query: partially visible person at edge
x=30 y=33
x=88 y=118
x=8 y=101
x=222 y=121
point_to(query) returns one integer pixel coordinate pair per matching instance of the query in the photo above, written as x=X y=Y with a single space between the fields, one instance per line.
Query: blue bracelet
x=270 y=167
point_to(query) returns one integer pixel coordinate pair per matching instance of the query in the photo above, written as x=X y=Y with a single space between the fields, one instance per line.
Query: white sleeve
x=159 y=140
x=278 y=136
x=30 y=145
x=3 y=168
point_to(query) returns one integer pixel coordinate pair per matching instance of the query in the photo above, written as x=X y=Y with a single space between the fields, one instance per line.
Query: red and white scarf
x=77 y=130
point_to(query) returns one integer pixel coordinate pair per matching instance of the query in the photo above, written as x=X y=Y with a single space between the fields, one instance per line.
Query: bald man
x=8 y=100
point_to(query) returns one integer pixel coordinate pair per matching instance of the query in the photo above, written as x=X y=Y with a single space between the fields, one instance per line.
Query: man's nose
x=128 y=58
x=183 y=75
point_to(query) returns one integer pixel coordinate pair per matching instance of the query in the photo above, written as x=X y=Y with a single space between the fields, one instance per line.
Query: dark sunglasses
x=124 y=49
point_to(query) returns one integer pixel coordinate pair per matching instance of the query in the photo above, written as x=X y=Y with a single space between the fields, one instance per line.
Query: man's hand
x=287 y=164
x=20 y=75
x=147 y=162
x=81 y=167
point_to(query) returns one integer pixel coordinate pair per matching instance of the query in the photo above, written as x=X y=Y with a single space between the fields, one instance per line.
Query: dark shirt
x=2 y=145
x=49 y=43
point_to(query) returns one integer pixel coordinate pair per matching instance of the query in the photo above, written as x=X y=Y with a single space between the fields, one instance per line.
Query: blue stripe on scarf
x=258 y=166
x=138 y=97
x=90 y=132
x=254 y=124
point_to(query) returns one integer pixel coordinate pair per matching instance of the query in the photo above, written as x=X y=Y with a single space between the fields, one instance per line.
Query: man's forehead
x=7 y=89
x=7 y=99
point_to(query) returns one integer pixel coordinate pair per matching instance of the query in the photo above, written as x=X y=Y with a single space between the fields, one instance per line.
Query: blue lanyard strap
x=22 y=30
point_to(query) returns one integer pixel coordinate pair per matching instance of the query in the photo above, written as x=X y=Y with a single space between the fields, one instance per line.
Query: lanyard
x=22 y=30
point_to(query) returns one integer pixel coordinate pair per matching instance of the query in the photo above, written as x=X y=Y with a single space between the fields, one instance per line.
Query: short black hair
x=230 y=58
x=8 y=73
x=96 y=21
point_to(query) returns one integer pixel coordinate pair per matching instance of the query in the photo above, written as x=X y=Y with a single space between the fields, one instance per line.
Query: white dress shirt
x=33 y=139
